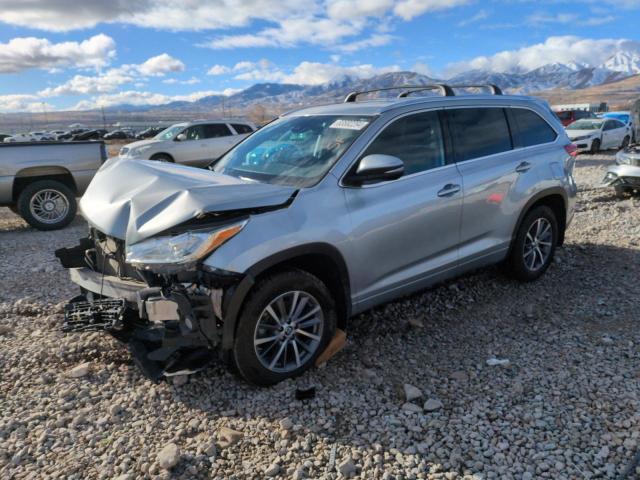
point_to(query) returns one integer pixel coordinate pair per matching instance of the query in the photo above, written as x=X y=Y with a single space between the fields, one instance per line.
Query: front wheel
x=535 y=243
x=162 y=157
x=287 y=321
x=595 y=146
x=625 y=143
x=47 y=205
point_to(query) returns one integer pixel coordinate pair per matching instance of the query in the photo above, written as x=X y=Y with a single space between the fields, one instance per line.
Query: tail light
x=571 y=149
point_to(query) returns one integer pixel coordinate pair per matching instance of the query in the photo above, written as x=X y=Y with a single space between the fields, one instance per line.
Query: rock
x=492 y=362
x=411 y=392
x=272 y=470
x=80 y=370
x=209 y=449
x=460 y=376
x=347 y=468
x=411 y=407
x=228 y=437
x=115 y=410
x=415 y=322
x=432 y=405
x=169 y=456
x=4 y=329
x=286 y=423
x=179 y=380
x=606 y=340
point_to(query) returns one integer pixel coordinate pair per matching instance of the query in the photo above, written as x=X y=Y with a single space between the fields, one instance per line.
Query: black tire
x=162 y=157
x=516 y=264
x=32 y=190
x=14 y=209
x=264 y=292
x=595 y=146
x=625 y=142
x=620 y=191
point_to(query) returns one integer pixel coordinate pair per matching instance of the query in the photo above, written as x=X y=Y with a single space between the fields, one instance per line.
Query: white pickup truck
x=41 y=180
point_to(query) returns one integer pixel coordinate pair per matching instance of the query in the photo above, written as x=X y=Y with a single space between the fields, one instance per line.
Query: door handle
x=448 y=190
x=523 y=167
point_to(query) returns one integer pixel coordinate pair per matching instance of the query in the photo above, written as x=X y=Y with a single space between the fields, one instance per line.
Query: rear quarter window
x=478 y=132
x=532 y=128
x=241 y=128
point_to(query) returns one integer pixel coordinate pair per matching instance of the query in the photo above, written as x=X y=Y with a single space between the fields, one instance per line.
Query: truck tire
x=47 y=205
x=286 y=323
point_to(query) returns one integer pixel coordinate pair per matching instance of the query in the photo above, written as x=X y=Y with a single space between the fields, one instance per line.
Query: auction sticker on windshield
x=349 y=124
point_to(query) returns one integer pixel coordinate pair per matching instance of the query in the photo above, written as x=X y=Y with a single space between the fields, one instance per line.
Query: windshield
x=169 y=133
x=294 y=151
x=585 y=125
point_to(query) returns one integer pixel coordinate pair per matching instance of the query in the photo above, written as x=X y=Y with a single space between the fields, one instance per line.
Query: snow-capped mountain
x=568 y=76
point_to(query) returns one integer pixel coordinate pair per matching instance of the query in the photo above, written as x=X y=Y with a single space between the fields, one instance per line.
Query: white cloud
x=160 y=65
x=113 y=78
x=563 y=49
x=174 y=81
x=24 y=53
x=218 y=70
x=143 y=98
x=408 y=9
x=481 y=15
x=376 y=40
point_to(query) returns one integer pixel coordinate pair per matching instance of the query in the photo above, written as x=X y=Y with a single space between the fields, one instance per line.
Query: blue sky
x=59 y=54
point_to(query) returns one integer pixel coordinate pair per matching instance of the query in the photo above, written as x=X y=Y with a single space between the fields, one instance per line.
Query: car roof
x=202 y=122
x=377 y=107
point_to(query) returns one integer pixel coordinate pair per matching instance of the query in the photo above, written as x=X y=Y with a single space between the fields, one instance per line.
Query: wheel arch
x=34 y=174
x=554 y=198
x=320 y=259
x=162 y=154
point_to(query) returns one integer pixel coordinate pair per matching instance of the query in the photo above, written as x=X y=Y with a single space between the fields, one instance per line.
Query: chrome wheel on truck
x=47 y=204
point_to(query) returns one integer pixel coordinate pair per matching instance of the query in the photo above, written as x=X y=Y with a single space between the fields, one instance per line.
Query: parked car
x=149 y=132
x=89 y=135
x=56 y=133
x=117 y=135
x=40 y=182
x=624 y=117
x=19 y=137
x=193 y=143
x=593 y=135
x=625 y=175
x=567 y=117
x=316 y=217
x=4 y=135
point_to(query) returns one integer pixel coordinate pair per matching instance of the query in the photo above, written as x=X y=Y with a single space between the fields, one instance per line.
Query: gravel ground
x=411 y=396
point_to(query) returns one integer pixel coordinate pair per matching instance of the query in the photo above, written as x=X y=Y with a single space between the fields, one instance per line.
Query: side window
x=241 y=128
x=478 y=132
x=194 y=133
x=215 y=130
x=415 y=139
x=610 y=125
x=532 y=129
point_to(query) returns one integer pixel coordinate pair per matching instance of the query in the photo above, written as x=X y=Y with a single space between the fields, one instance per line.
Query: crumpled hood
x=572 y=134
x=136 y=199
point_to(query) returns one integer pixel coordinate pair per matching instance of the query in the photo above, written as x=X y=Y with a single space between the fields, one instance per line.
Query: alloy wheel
x=537 y=244
x=49 y=206
x=289 y=331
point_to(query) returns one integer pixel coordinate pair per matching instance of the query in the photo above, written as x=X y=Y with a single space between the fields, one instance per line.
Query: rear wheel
x=535 y=243
x=47 y=205
x=595 y=146
x=162 y=157
x=286 y=322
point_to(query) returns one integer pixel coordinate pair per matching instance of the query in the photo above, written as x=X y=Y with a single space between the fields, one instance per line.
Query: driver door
x=192 y=150
x=406 y=232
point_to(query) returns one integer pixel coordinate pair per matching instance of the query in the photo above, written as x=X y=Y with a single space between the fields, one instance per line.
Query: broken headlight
x=168 y=253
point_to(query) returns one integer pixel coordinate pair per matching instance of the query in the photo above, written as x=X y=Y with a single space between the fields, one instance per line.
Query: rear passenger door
x=613 y=133
x=498 y=170
x=406 y=231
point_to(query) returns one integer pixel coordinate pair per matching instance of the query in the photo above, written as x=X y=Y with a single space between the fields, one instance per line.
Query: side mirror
x=181 y=137
x=376 y=168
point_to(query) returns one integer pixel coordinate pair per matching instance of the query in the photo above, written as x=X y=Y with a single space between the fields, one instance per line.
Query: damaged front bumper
x=626 y=176
x=172 y=324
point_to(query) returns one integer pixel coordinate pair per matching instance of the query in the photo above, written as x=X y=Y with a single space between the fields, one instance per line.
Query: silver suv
x=324 y=213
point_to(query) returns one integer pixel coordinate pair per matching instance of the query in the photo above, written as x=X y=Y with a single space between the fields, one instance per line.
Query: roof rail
x=494 y=89
x=445 y=90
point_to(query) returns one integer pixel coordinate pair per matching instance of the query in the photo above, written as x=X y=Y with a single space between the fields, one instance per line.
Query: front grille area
x=110 y=257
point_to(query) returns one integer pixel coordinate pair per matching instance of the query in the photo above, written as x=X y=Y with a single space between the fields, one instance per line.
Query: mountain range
x=563 y=76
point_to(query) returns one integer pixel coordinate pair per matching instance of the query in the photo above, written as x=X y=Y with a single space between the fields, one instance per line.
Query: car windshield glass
x=295 y=151
x=585 y=125
x=170 y=132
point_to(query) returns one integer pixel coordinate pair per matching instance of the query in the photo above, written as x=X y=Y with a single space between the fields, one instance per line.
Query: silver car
x=320 y=215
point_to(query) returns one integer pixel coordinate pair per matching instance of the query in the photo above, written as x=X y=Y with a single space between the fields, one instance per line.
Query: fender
x=536 y=198
x=234 y=298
